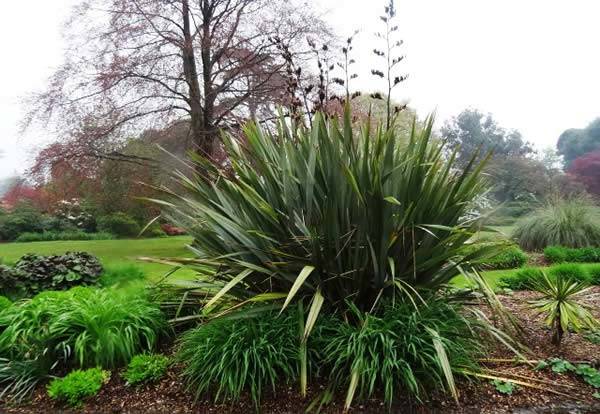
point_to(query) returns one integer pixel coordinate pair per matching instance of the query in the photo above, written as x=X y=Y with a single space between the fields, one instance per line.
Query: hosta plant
x=334 y=216
x=559 y=305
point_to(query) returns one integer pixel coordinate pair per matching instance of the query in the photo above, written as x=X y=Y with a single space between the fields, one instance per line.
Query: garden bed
x=556 y=393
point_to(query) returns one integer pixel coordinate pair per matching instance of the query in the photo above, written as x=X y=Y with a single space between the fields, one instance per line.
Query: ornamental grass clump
x=568 y=223
x=338 y=218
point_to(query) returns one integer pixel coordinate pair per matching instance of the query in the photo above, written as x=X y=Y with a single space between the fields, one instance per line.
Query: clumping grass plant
x=335 y=218
x=568 y=223
x=399 y=348
x=82 y=327
x=230 y=356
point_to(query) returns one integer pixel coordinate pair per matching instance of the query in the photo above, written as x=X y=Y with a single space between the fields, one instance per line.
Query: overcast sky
x=534 y=64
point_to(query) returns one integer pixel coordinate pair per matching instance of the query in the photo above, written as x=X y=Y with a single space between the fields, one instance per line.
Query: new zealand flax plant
x=340 y=218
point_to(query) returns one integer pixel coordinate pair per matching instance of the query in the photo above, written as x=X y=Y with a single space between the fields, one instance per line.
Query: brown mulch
x=537 y=260
x=571 y=394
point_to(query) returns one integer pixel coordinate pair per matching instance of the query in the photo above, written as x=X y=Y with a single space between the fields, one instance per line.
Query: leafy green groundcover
x=146 y=368
x=35 y=273
x=78 y=385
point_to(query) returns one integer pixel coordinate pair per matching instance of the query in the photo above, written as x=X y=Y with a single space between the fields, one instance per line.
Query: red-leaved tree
x=586 y=169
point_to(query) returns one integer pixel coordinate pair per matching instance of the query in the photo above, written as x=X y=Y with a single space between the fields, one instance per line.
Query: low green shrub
x=559 y=254
x=121 y=275
x=520 y=280
x=77 y=386
x=146 y=368
x=230 y=356
x=570 y=271
x=119 y=224
x=404 y=349
x=510 y=258
x=82 y=327
x=555 y=254
x=32 y=273
x=594 y=273
x=63 y=235
x=570 y=223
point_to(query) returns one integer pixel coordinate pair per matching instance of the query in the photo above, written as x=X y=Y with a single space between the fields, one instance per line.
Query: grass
x=116 y=253
x=112 y=252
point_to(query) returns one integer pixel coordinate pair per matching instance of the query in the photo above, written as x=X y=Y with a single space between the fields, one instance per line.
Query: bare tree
x=138 y=64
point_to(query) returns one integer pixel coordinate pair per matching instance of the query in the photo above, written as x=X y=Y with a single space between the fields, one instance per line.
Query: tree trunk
x=558 y=332
x=203 y=144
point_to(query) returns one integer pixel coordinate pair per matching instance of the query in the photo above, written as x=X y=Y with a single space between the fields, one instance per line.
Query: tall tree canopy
x=473 y=130
x=138 y=64
x=574 y=143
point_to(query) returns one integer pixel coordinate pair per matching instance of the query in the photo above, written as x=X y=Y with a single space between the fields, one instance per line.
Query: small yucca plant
x=558 y=304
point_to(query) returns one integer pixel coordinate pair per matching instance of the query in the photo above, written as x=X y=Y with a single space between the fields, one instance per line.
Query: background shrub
x=63 y=235
x=511 y=257
x=230 y=356
x=77 y=386
x=568 y=271
x=119 y=224
x=559 y=254
x=570 y=223
x=22 y=219
x=32 y=273
x=521 y=280
x=146 y=368
x=555 y=254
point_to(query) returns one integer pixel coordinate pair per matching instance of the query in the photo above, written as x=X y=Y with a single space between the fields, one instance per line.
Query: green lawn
x=112 y=252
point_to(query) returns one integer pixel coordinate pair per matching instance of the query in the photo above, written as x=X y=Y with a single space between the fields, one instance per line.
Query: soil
x=553 y=393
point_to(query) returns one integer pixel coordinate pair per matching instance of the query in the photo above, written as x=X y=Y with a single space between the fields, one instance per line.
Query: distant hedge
x=63 y=235
x=559 y=254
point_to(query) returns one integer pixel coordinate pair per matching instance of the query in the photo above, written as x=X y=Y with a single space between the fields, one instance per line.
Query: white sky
x=533 y=63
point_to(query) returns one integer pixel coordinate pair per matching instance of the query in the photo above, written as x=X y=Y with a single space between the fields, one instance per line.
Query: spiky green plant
x=569 y=223
x=331 y=217
x=331 y=214
x=558 y=304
